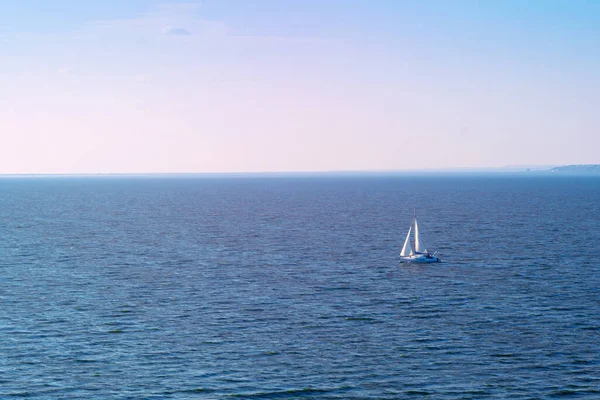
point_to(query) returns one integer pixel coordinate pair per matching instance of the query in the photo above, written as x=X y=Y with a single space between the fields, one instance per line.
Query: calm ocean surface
x=290 y=287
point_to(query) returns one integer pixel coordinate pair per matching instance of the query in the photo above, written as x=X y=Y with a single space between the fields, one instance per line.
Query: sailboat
x=420 y=253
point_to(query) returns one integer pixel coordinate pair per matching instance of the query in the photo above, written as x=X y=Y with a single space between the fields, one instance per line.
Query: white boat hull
x=421 y=259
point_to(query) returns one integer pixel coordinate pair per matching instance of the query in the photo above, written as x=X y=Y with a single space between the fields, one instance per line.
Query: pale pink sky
x=190 y=88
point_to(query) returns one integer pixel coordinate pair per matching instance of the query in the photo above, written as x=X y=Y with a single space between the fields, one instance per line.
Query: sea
x=290 y=287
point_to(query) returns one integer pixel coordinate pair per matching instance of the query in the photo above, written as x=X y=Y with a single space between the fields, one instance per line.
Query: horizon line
x=449 y=170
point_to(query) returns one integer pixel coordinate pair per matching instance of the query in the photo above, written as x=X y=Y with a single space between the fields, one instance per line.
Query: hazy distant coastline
x=587 y=169
x=534 y=170
x=574 y=169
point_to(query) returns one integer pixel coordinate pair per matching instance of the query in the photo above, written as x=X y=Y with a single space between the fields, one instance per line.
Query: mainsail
x=407 y=248
x=419 y=246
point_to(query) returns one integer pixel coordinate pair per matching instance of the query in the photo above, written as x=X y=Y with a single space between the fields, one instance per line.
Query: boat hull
x=420 y=259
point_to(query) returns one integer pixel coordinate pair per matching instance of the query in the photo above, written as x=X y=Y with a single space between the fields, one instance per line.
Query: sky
x=144 y=86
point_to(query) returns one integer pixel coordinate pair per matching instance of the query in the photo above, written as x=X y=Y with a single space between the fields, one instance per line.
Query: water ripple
x=290 y=288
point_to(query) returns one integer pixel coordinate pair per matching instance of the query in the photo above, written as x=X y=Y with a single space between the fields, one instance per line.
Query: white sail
x=407 y=248
x=419 y=246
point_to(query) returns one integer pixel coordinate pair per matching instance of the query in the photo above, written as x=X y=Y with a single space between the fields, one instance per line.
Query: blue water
x=290 y=287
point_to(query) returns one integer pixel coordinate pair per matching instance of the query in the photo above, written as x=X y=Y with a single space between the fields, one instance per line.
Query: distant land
x=564 y=170
x=576 y=169
x=587 y=169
